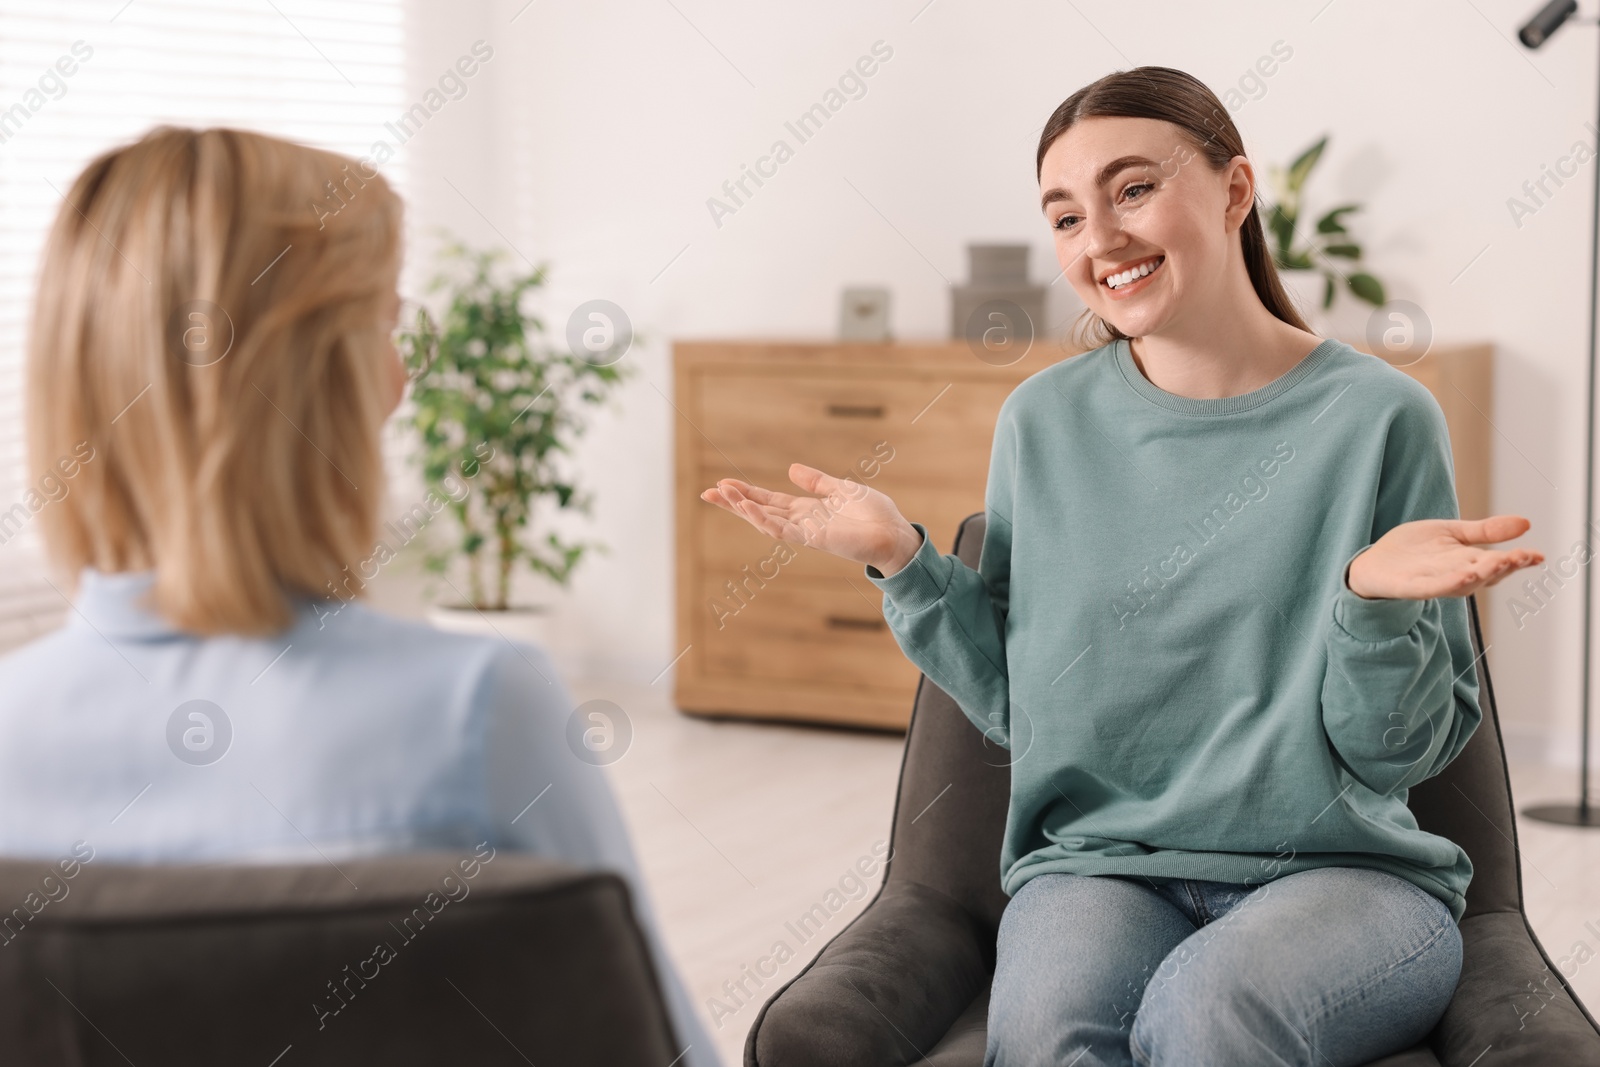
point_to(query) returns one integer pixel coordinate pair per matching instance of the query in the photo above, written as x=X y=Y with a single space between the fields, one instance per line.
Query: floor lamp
x=1538 y=29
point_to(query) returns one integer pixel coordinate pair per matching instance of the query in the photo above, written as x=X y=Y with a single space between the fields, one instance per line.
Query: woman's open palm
x=843 y=518
x=1440 y=557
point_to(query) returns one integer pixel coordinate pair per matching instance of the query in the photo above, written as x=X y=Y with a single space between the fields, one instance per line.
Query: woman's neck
x=1233 y=347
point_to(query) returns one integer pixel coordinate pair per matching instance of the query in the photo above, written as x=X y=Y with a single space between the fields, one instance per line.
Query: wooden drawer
x=789 y=630
x=808 y=641
x=763 y=420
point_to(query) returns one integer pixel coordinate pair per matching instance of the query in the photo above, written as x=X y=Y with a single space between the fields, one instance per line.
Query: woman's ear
x=1241 y=186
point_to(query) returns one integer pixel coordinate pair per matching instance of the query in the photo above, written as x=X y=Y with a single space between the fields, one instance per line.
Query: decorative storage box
x=997 y=274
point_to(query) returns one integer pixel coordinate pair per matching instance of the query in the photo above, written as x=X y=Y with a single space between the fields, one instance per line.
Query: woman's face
x=1134 y=194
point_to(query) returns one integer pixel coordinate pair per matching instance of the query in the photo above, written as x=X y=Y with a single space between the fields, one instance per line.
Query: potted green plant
x=1324 y=256
x=495 y=407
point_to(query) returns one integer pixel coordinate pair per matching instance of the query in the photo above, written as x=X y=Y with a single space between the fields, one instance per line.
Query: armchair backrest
x=950 y=811
x=435 y=958
x=1469 y=801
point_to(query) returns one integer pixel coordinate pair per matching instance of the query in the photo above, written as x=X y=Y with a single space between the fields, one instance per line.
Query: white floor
x=742 y=827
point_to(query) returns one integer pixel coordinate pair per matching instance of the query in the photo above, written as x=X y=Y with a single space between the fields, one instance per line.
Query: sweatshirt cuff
x=1372 y=620
x=921 y=582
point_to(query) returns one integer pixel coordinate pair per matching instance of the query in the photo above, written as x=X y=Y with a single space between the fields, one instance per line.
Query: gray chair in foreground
x=907 y=981
x=527 y=961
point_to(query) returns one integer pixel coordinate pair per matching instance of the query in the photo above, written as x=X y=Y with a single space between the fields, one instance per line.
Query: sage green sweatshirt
x=1159 y=641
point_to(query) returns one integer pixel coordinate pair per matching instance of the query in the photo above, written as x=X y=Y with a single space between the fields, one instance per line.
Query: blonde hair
x=210 y=321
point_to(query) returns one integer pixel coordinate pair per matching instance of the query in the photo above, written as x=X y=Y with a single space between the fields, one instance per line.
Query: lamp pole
x=1537 y=30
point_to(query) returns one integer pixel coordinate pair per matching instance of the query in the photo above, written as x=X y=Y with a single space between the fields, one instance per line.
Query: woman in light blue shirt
x=220 y=413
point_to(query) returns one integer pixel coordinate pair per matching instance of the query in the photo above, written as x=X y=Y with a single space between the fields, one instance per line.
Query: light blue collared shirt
x=352 y=733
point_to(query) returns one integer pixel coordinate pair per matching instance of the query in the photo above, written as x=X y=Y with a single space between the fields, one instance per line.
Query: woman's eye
x=1065 y=222
x=1141 y=185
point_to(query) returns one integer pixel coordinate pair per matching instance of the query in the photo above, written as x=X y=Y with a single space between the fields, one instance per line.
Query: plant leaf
x=1327 y=291
x=1367 y=288
x=1330 y=223
x=1344 y=251
x=1281 y=225
x=1300 y=169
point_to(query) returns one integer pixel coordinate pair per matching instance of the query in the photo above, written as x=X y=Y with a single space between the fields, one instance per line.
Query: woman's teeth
x=1117 y=281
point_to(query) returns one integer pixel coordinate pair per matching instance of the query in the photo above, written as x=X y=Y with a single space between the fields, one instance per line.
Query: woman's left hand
x=1440 y=557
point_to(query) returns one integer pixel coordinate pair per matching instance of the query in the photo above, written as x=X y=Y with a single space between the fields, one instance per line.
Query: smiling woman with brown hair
x=1218 y=622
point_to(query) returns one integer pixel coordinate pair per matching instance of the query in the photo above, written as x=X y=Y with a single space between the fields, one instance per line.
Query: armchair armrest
x=883 y=992
x=1508 y=999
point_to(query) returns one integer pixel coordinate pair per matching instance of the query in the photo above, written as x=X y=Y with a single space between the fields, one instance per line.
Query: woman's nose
x=1104 y=234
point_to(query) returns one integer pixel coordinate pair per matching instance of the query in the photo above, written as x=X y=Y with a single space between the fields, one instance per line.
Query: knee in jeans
x=1026 y=1039
x=1177 y=1020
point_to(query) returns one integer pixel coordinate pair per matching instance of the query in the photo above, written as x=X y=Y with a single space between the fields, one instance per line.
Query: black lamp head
x=1547 y=21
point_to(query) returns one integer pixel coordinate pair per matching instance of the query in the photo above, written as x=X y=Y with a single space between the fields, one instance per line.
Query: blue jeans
x=1332 y=967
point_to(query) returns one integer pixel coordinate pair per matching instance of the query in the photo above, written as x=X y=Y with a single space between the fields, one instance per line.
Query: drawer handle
x=856 y=411
x=844 y=622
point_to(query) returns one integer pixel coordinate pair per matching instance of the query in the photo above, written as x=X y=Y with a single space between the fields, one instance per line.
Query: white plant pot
x=534 y=625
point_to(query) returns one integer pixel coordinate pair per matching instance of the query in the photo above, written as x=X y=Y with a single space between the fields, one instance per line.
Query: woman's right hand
x=845 y=518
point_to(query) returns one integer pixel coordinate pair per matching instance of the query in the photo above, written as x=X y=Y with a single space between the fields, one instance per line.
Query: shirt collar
x=117 y=604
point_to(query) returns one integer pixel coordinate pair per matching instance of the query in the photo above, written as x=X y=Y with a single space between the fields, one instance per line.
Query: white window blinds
x=77 y=78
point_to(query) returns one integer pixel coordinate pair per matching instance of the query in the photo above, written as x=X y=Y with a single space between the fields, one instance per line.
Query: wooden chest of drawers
x=770 y=630
x=781 y=631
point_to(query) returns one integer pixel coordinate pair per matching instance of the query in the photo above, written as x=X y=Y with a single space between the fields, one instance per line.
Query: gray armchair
x=908 y=980
x=525 y=960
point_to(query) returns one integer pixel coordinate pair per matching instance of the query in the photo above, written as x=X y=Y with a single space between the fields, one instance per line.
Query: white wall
x=610 y=124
